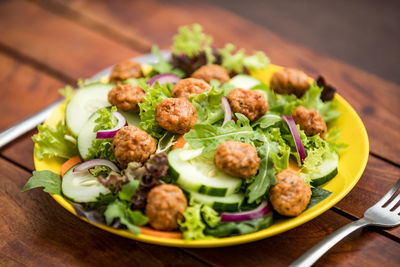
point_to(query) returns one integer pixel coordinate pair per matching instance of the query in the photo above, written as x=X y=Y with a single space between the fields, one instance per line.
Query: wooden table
x=47 y=44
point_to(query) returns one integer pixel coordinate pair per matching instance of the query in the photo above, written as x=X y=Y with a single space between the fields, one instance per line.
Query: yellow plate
x=351 y=166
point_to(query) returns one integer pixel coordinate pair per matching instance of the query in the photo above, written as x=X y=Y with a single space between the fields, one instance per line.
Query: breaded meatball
x=250 y=103
x=166 y=204
x=290 y=81
x=132 y=144
x=125 y=70
x=237 y=159
x=310 y=121
x=126 y=97
x=190 y=86
x=290 y=195
x=176 y=115
x=212 y=72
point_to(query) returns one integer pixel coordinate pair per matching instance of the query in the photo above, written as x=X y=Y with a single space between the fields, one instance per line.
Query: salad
x=199 y=146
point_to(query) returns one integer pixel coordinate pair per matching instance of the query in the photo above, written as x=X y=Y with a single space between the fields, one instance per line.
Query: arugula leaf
x=120 y=210
x=209 y=136
x=128 y=190
x=236 y=62
x=166 y=142
x=147 y=114
x=52 y=142
x=192 y=41
x=317 y=195
x=265 y=177
x=50 y=182
x=266 y=121
x=240 y=228
x=162 y=66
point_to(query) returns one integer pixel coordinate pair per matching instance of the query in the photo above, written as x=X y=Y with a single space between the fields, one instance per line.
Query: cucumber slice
x=82 y=186
x=227 y=203
x=86 y=100
x=201 y=175
x=327 y=170
x=244 y=81
x=86 y=135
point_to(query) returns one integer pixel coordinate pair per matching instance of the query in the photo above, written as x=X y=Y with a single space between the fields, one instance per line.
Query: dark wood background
x=45 y=44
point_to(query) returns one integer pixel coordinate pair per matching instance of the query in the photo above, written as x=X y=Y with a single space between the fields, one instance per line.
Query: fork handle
x=313 y=254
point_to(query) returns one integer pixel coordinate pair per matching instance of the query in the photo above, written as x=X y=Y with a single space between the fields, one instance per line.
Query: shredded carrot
x=180 y=143
x=69 y=164
x=293 y=165
x=148 y=231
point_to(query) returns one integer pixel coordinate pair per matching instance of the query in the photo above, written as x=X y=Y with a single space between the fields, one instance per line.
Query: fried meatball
x=126 y=97
x=250 y=103
x=132 y=144
x=212 y=72
x=125 y=70
x=290 y=81
x=237 y=159
x=190 y=86
x=166 y=204
x=176 y=115
x=310 y=121
x=290 y=195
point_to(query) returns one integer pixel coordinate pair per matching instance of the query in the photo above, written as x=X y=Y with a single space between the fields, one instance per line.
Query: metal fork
x=385 y=213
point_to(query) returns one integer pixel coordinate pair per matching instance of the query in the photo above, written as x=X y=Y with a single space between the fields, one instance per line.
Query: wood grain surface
x=46 y=44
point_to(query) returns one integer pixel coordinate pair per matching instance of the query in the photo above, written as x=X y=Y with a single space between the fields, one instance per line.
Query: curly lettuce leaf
x=154 y=95
x=210 y=216
x=67 y=92
x=191 y=40
x=237 y=61
x=192 y=225
x=208 y=105
x=209 y=136
x=101 y=148
x=53 y=142
x=50 y=182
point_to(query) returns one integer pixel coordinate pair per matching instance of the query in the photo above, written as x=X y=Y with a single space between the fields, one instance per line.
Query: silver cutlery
x=385 y=213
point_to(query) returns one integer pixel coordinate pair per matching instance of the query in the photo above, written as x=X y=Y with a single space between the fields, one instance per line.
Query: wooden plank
x=60 y=44
x=365 y=248
x=35 y=230
x=374 y=99
x=378 y=178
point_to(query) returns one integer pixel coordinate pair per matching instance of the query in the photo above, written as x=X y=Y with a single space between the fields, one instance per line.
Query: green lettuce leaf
x=162 y=66
x=192 y=225
x=237 y=61
x=240 y=228
x=147 y=108
x=128 y=190
x=50 y=182
x=101 y=148
x=191 y=41
x=210 y=216
x=209 y=136
x=67 y=92
x=120 y=210
x=208 y=106
x=53 y=142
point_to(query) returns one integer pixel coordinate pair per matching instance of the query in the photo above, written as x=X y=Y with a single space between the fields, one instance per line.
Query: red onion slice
x=227 y=110
x=164 y=79
x=296 y=137
x=95 y=162
x=259 y=212
x=108 y=134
